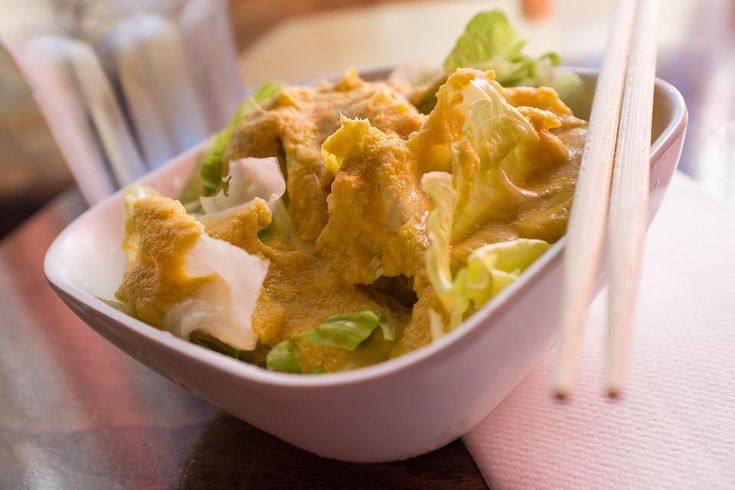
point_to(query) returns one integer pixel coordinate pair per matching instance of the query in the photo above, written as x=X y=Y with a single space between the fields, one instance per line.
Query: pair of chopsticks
x=617 y=149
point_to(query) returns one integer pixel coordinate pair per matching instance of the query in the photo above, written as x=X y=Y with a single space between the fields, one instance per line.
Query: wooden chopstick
x=629 y=195
x=587 y=220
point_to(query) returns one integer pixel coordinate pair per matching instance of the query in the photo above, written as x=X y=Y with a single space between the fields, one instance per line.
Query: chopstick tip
x=614 y=390
x=616 y=368
x=562 y=395
x=563 y=374
x=562 y=389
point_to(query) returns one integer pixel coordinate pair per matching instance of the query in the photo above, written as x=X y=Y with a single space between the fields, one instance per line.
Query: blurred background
x=190 y=59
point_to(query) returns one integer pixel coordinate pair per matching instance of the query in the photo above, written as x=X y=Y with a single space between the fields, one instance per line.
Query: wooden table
x=75 y=412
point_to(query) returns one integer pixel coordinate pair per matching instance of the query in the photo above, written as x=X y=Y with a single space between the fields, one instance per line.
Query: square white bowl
x=391 y=411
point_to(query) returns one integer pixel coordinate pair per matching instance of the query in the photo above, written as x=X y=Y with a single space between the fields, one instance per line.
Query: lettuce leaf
x=503 y=142
x=212 y=167
x=490 y=42
x=247 y=179
x=348 y=330
x=283 y=357
x=439 y=187
x=251 y=179
x=345 y=331
x=345 y=143
x=488 y=157
x=280 y=227
x=492 y=268
x=489 y=269
x=545 y=72
x=496 y=150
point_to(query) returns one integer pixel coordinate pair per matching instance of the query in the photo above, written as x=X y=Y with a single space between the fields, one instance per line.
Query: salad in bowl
x=363 y=267
x=336 y=226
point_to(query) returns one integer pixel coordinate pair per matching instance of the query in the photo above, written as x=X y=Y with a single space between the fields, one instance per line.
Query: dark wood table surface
x=75 y=412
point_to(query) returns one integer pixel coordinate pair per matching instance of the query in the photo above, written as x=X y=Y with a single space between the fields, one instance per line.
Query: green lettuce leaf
x=492 y=268
x=283 y=357
x=247 y=178
x=503 y=142
x=348 y=330
x=209 y=178
x=492 y=155
x=438 y=185
x=281 y=226
x=490 y=42
x=545 y=72
x=345 y=331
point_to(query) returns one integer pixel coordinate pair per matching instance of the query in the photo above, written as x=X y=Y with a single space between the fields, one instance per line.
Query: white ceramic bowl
x=390 y=411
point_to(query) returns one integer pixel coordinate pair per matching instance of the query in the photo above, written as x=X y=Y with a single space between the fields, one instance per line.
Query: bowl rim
x=468 y=330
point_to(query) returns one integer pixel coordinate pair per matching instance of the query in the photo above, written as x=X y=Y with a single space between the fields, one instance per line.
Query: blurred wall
x=251 y=18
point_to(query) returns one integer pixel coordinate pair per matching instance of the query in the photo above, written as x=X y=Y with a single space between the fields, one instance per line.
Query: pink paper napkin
x=675 y=425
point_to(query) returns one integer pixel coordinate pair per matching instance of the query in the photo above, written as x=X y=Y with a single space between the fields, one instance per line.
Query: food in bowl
x=337 y=226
